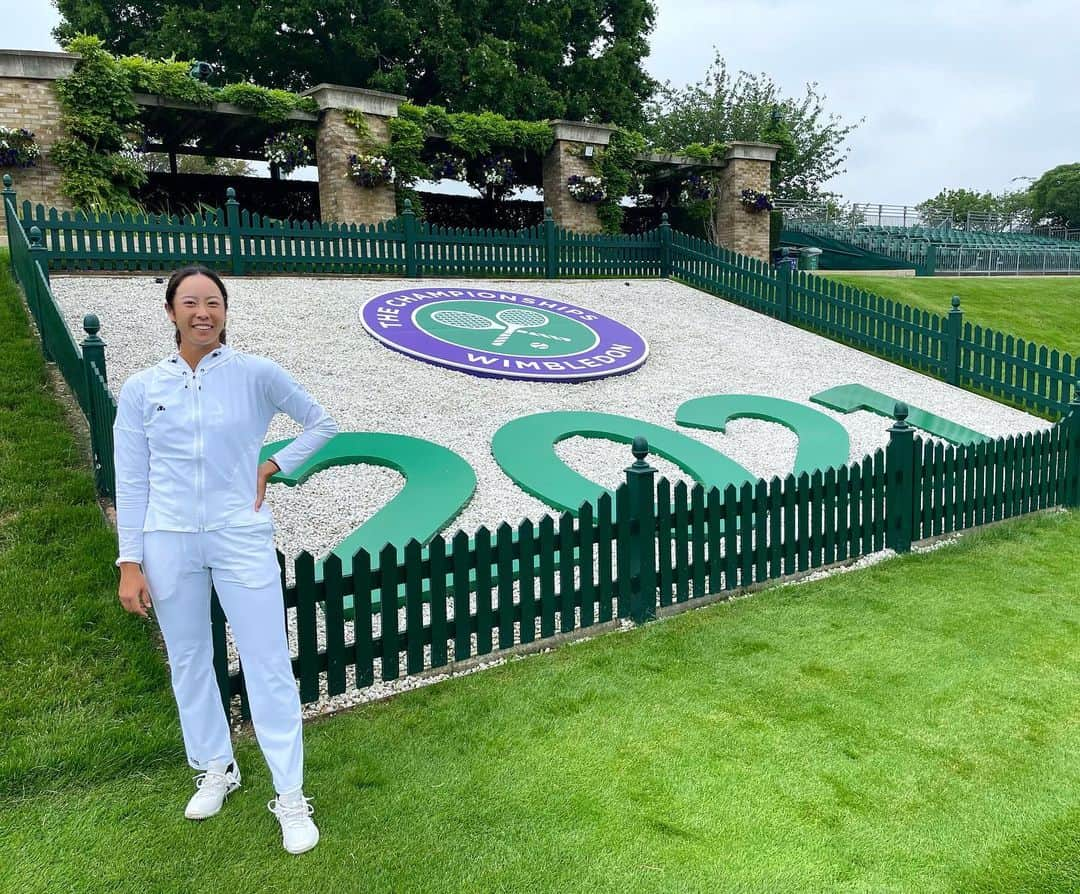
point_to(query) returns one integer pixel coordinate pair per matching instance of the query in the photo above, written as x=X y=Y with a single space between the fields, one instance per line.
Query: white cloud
x=954 y=94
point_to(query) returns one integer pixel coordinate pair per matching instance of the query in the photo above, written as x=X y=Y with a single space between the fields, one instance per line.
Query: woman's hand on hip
x=134 y=594
x=266 y=470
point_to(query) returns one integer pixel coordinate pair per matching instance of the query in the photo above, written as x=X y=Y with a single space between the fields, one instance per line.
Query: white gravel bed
x=699 y=345
x=312 y=328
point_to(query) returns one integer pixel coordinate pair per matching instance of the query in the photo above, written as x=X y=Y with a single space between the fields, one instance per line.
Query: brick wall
x=560 y=163
x=739 y=229
x=340 y=199
x=32 y=103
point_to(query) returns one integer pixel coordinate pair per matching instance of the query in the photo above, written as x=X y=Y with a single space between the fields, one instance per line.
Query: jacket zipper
x=199 y=459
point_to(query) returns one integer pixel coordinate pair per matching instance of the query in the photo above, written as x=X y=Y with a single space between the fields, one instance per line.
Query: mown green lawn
x=914 y=726
x=1044 y=309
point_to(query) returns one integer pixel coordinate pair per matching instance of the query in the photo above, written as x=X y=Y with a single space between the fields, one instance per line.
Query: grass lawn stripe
x=1043 y=309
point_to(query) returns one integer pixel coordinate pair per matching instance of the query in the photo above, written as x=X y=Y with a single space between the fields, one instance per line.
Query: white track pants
x=241 y=562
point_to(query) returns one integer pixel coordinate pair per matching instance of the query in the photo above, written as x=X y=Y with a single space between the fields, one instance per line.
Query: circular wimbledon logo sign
x=503 y=334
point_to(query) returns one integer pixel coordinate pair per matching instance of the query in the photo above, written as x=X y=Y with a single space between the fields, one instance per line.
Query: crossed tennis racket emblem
x=511 y=320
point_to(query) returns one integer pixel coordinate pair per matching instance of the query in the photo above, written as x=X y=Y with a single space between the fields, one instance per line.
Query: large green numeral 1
x=849 y=398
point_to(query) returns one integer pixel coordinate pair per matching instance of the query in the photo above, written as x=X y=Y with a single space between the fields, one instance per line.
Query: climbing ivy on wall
x=618 y=167
x=100 y=168
x=476 y=136
x=96 y=171
x=98 y=162
x=472 y=136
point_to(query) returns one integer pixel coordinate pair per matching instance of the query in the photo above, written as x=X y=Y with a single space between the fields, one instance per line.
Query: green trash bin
x=809 y=258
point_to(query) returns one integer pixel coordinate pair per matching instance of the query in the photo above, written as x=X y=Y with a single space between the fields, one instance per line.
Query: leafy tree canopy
x=721 y=108
x=578 y=59
x=158 y=162
x=960 y=203
x=1055 y=196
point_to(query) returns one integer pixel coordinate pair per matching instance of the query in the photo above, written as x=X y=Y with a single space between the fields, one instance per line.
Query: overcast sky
x=954 y=94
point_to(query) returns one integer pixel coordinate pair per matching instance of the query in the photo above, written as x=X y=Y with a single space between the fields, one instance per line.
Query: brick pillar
x=27 y=99
x=568 y=156
x=340 y=198
x=748 y=166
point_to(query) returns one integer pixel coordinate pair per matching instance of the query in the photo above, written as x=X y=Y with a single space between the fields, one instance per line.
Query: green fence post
x=39 y=253
x=783 y=293
x=551 y=247
x=665 y=246
x=93 y=347
x=93 y=355
x=900 y=486
x=232 y=218
x=1072 y=450
x=640 y=481
x=952 y=342
x=8 y=198
x=38 y=261
x=409 y=219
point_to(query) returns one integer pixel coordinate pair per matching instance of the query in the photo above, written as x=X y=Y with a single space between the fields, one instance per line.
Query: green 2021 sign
x=439 y=483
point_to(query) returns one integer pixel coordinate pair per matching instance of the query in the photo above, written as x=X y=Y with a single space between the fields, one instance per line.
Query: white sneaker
x=298 y=832
x=213 y=787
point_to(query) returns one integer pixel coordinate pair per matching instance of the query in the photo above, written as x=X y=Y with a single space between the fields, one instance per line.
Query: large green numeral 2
x=438 y=485
x=525 y=450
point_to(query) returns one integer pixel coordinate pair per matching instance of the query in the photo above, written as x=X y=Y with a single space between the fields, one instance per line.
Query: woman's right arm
x=131 y=459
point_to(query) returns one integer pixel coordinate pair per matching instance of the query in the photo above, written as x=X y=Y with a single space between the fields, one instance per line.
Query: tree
x=719 y=109
x=579 y=59
x=1055 y=196
x=158 y=163
x=959 y=203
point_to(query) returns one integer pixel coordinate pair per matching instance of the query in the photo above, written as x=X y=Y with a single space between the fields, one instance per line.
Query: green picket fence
x=239 y=242
x=1031 y=376
x=651 y=546
x=82 y=366
x=964 y=487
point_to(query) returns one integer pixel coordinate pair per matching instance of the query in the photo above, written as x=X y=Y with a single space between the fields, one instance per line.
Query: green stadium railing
x=952 y=251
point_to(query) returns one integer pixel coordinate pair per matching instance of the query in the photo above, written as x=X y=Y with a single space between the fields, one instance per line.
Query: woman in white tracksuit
x=190 y=511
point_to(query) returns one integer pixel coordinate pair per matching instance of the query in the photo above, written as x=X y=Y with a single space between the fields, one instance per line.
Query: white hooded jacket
x=186 y=443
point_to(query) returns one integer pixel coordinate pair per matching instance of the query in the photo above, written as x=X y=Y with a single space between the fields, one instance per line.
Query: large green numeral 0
x=525 y=450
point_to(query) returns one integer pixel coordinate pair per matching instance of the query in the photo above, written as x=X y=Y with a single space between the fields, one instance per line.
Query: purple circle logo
x=507 y=335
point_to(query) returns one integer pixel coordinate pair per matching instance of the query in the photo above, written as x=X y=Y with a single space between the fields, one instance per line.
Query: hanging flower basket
x=288 y=151
x=586 y=189
x=445 y=166
x=18 y=149
x=755 y=202
x=497 y=173
x=371 y=170
x=697 y=189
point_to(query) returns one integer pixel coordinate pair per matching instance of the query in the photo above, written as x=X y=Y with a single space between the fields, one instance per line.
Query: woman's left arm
x=287 y=396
